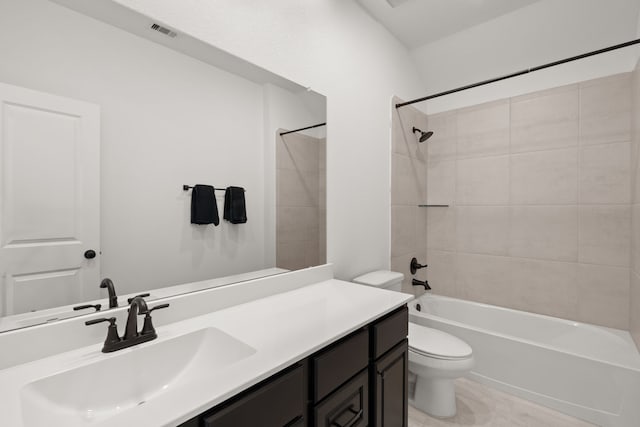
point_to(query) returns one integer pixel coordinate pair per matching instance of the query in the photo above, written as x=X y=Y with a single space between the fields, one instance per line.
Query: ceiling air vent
x=163 y=30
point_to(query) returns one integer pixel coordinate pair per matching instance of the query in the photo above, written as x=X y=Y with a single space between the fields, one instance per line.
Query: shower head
x=423 y=135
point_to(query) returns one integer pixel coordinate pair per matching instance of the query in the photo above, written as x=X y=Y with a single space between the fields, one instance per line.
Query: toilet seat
x=437 y=344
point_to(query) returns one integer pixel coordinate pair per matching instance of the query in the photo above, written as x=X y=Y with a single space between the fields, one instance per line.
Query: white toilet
x=435 y=357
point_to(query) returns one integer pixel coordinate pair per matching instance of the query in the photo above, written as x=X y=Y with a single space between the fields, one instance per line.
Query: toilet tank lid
x=380 y=278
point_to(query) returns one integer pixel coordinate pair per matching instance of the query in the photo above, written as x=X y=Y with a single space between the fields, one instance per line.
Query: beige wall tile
x=312 y=252
x=401 y=265
x=544 y=232
x=635 y=169
x=297 y=188
x=542 y=179
x=605 y=175
x=485 y=279
x=403 y=230
x=634 y=308
x=545 y=177
x=605 y=106
x=605 y=235
x=442 y=145
x=635 y=238
x=322 y=154
x=408 y=177
x=441 y=182
x=483 y=130
x=404 y=141
x=545 y=120
x=441 y=228
x=291 y=255
x=441 y=273
x=545 y=287
x=482 y=181
x=482 y=229
x=421 y=230
x=299 y=152
x=295 y=224
x=603 y=297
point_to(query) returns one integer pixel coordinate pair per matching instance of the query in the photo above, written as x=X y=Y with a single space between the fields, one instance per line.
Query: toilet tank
x=385 y=279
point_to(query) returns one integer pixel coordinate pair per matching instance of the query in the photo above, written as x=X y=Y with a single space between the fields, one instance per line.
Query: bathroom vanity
x=361 y=380
x=299 y=349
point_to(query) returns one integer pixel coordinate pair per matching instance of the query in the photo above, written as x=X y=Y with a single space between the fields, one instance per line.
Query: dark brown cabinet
x=390 y=375
x=358 y=381
x=346 y=407
x=277 y=403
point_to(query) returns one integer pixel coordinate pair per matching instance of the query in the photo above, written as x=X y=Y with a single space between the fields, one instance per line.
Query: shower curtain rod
x=298 y=130
x=520 y=73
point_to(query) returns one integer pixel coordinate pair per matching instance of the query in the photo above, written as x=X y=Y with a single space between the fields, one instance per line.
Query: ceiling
x=419 y=22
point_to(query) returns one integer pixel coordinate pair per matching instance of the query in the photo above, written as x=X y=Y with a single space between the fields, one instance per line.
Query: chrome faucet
x=113 y=298
x=131 y=335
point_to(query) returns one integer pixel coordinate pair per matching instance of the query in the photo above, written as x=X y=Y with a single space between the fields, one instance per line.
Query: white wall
x=546 y=31
x=167 y=120
x=338 y=50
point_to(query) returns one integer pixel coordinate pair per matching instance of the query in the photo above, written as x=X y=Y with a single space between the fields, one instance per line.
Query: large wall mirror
x=104 y=118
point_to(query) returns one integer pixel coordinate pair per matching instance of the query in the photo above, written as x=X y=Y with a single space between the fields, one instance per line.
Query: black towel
x=204 y=209
x=235 y=210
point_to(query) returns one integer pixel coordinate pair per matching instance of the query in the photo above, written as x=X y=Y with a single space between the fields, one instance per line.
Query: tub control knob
x=415 y=266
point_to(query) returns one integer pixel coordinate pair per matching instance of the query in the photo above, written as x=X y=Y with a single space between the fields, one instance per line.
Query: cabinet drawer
x=280 y=402
x=391 y=330
x=346 y=407
x=336 y=365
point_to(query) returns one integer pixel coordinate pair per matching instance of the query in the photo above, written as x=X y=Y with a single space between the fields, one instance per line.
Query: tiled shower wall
x=634 y=304
x=408 y=190
x=300 y=201
x=540 y=202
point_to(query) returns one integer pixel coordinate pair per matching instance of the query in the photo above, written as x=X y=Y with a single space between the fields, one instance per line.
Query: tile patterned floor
x=482 y=406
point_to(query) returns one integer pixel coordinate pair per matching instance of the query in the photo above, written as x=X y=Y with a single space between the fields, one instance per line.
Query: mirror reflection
x=102 y=128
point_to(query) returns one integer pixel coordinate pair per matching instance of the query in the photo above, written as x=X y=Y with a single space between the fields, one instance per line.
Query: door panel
x=49 y=200
x=31 y=292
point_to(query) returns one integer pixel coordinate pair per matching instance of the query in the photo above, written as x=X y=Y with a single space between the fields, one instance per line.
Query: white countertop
x=282 y=328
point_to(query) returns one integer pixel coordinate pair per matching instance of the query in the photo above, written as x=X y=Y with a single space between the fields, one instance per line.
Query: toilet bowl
x=437 y=358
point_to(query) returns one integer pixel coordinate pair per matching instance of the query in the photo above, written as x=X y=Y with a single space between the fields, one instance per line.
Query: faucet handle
x=141 y=296
x=157 y=307
x=97 y=307
x=112 y=333
x=111 y=320
x=148 y=328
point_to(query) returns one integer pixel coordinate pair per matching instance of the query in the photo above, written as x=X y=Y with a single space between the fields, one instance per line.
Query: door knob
x=90 y=254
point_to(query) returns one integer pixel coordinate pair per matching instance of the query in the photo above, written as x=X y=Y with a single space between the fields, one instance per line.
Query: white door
x=49 y=200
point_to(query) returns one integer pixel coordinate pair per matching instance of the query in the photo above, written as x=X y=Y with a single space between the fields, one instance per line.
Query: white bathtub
x=586 y=371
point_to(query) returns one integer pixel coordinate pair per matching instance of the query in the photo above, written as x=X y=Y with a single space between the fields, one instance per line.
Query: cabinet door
x=278 y=403
x=392 y=388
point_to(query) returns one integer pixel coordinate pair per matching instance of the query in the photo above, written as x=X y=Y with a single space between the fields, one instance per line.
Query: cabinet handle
x=294 y=421
x=352 y=421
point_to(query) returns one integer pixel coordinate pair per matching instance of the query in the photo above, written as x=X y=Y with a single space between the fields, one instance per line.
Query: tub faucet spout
x=416 y=282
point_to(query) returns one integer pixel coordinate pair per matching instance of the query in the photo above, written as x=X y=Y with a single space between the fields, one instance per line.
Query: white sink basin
x=127 y=378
